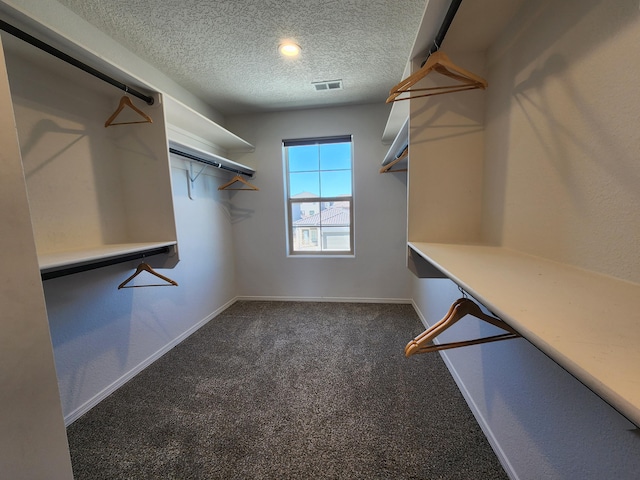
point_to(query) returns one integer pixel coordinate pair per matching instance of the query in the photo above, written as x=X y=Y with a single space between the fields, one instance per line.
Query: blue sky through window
x=323 y=169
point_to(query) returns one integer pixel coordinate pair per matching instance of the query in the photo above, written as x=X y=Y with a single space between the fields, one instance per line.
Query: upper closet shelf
x=397 y=148
x=188 y=120
x=587 y=322
x=397 y=117
x=207 y=158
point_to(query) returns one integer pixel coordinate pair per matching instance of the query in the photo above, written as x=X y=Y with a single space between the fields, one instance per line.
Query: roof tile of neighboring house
x=332 y=216
x=305 y=195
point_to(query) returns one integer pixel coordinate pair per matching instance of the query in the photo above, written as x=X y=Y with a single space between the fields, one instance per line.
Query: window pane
x=336 y=183
x=305 y=213
x=305 y=239
x=335 y=156
x=336 y=214
x=304 y=158
x=336 y=239
x=304 y=184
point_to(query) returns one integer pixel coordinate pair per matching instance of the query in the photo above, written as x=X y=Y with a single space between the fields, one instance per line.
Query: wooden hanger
x=439 y=62
x=235 y=179
x=125 y=101
x=435 y=326
x=459 y=309
x=144 y=267
x=387 y=167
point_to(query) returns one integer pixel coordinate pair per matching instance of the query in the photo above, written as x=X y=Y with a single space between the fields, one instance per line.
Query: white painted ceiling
x=225 y=51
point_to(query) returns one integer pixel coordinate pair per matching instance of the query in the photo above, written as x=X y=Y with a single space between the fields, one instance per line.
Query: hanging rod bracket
x=444 y=27
x=192 y=179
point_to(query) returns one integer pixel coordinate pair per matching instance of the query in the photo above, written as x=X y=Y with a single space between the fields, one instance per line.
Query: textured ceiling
x=225 y=51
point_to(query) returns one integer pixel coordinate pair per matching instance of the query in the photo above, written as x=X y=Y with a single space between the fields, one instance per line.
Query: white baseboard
x=477 y=413
x=108 y=390
x=325 y=299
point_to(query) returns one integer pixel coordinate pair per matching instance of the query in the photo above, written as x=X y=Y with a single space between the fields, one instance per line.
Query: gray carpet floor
x=288 y=390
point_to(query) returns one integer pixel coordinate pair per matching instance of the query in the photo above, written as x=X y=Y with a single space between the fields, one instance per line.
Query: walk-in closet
x=157 y=321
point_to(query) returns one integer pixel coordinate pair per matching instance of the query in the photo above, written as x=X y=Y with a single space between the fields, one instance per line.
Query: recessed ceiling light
x=289 y=49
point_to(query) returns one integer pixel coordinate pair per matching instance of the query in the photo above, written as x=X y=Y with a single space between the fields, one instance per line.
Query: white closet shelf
x=208 y=158
x=82 y=256
x=587 y=322
x=188 y=120
x=398 y=145
x=398 y=116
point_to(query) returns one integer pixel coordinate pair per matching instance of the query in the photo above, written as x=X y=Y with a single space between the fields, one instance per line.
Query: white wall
x=377 y=272
x=561 y=180
x=102 y=336
x=446 y=135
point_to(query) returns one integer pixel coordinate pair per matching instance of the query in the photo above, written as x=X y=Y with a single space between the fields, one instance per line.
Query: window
x=319 y=186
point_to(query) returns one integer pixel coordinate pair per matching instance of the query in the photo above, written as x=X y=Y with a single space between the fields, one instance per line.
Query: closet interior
x=521 y=190
x=97 y=160
x=95 y=190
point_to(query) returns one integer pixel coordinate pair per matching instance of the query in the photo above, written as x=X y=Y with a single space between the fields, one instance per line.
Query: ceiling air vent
x=327 y=85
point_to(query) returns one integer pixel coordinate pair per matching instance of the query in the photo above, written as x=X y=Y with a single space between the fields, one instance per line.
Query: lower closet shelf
x=53 y=263
x=587 y=322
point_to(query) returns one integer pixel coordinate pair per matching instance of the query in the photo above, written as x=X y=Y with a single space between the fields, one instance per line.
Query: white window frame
x=289 y=202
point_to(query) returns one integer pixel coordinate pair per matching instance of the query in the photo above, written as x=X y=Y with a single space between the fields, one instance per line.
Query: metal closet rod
x=72 y=61
x=446 y=23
